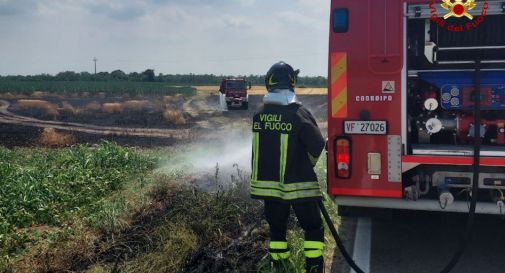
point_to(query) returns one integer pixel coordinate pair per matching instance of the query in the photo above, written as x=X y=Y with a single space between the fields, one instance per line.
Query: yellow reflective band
x=285 y=187
x=313 y=159
x=313 y=245
x=256 y=137
x=284 y=154
x=285 y=195
x=280 y=256
x=313 y=253
x=278 y=245
x=339 y=84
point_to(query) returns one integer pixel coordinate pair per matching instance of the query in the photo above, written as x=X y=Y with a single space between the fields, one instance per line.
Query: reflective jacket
x=286 y=146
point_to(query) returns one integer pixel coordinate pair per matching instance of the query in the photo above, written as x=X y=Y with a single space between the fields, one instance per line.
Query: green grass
x=110 y=88
x=103 y=205
x=102 y=209
x=45 y=188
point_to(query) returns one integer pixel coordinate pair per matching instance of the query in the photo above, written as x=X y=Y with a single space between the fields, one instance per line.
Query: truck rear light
x=343 y=157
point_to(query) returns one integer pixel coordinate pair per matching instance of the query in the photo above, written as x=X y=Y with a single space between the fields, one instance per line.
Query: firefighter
x=286 y=146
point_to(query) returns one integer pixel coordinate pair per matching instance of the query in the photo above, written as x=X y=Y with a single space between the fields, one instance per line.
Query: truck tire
x=245 y=105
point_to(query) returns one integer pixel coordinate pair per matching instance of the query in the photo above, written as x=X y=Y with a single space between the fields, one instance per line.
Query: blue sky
x=170 y=36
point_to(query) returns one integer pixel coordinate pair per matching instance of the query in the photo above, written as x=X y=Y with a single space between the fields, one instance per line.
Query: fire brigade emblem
x=458 y=8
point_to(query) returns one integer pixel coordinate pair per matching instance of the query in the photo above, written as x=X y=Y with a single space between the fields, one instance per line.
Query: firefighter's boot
x=314 y=256
x=314 y=265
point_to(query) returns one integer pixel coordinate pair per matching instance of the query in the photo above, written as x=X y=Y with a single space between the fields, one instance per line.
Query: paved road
x=413 y=242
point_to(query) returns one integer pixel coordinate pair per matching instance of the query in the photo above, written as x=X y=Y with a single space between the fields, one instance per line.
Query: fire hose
x=474 y=193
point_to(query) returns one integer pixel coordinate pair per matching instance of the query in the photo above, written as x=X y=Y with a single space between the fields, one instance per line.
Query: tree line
x=150 y=76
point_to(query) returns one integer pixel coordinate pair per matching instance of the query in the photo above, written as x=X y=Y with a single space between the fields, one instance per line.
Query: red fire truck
x=234 y=93
x=403 y=78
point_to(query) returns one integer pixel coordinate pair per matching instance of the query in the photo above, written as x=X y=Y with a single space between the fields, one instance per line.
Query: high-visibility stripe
x=313 y=245
x=284 y=190
x=256 y=137
x=313 y=253
x=285 y=195
x=281 y=158
x=313 y=249
x=338 y=65
x=313 y=159
x=338 y=92
x=280 y=256
x=278 y=245
x=284 y=155
x=341 y=83
x=285 y=187
x=339 y=104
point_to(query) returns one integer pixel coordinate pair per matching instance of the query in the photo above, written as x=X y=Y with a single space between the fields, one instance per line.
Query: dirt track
x=10 y=118
x=202 y=112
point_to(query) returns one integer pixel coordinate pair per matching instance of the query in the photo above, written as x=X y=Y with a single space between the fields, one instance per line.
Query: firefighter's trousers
x=308 y=216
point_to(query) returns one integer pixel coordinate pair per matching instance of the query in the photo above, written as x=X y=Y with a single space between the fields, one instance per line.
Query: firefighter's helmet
x=281 y=76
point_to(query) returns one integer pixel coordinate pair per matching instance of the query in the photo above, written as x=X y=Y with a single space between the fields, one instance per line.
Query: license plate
x=365 y=127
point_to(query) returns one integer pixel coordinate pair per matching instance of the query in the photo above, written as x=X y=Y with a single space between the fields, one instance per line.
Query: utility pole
x=94 y=77
x=95 y=60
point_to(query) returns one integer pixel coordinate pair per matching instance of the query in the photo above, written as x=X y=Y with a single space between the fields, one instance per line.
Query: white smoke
x=230 y=152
